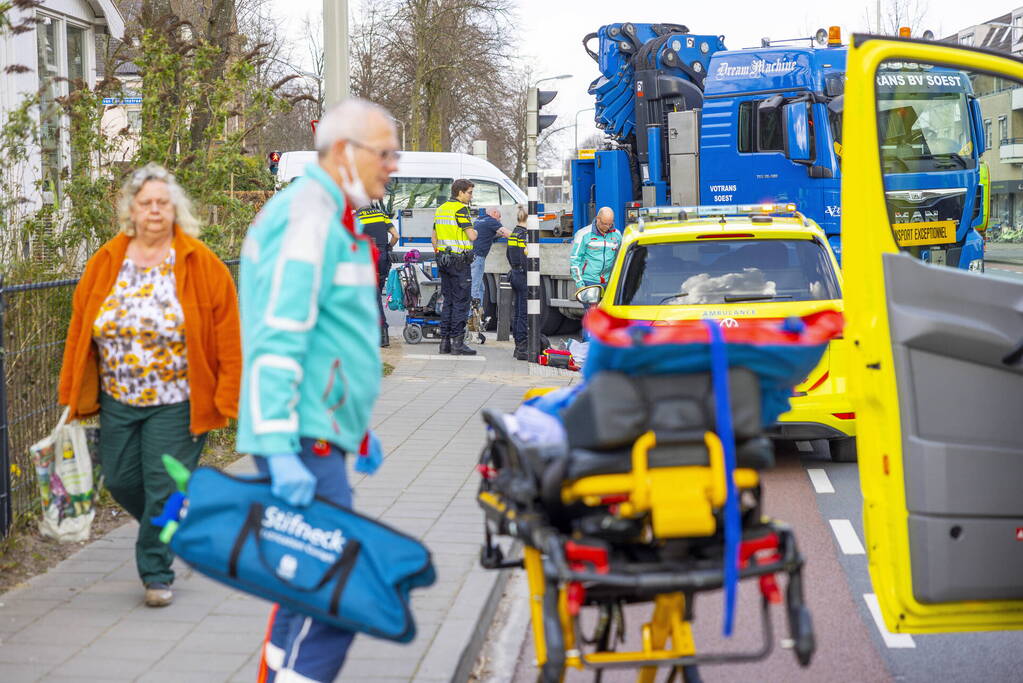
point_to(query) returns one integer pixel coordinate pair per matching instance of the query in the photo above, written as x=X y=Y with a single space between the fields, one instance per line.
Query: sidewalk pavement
x=84 y=619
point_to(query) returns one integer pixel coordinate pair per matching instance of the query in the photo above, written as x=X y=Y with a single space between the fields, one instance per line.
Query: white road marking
x=425 y=356
x=819 y=479
x=848 y=541
x=893 y=640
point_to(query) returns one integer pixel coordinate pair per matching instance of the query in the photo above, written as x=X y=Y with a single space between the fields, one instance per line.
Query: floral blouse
x=140 y=333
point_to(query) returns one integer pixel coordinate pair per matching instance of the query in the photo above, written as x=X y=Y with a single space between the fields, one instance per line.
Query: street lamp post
x=335 y=51
x=577 y=126
x=533 y=105
x=402 y=123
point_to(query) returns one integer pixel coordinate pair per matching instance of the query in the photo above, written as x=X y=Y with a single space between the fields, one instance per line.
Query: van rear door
x=936 y=367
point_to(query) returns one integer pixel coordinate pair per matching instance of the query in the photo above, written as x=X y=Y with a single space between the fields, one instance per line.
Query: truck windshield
x=925 y=132
x=727 y=271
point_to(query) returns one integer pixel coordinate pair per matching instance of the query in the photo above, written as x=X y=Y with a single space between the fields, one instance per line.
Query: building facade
x=1001 y=102
x=57 y=53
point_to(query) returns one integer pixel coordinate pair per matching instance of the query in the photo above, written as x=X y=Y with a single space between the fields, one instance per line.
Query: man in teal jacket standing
x=594 y=249
x=310 y=335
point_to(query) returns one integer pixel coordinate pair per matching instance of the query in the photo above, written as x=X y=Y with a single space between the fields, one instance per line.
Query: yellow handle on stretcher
x=680 y=500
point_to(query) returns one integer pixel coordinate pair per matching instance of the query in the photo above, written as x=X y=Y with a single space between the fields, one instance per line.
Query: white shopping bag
x=64 y=472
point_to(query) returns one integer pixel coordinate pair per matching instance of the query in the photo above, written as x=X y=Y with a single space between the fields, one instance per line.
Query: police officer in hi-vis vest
x=377 y=225
x=452 y=239
x=516 y=254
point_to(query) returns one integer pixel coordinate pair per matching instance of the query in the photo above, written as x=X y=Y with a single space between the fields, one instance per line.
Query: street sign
x=587 y=153
x=115 y=101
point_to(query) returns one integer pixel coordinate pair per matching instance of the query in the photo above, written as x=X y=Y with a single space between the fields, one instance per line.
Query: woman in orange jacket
x=153 y=347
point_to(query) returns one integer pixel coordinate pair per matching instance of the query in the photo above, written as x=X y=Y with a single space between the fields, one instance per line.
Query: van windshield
x=416 y=193
x=727 y=271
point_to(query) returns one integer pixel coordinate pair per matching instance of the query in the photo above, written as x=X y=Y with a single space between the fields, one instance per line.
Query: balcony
x=1010 y=151
x=1017 y=99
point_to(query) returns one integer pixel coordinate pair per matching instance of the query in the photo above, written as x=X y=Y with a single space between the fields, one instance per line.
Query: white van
x=423 y=182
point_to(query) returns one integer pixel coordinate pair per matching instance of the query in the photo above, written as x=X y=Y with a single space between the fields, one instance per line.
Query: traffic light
x=535 y=121
x=275 y=159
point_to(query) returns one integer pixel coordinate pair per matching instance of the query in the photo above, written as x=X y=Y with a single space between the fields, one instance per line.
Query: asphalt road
x=822 y=501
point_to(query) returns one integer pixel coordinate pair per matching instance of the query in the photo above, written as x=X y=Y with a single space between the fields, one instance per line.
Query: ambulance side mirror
x=590 y=294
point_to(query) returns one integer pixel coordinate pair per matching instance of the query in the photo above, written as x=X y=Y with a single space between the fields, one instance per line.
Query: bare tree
x=894 y=14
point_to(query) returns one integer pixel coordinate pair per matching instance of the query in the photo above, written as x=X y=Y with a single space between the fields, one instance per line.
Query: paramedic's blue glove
x=291 y=480
x=371 y=454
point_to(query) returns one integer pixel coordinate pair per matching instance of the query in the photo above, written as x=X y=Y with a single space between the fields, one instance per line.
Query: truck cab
x=771 y=129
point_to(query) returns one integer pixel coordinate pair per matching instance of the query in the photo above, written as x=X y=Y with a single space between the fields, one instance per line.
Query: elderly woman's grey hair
x=184 y=216
x=347 y=120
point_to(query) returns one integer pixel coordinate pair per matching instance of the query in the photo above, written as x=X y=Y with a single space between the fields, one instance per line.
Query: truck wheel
x=550 y=317
x=843 y=450
x=570 y=325
x=489 y=303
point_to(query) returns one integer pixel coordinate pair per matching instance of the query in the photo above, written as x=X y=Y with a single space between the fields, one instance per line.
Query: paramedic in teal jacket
x=594 y=249
x=310 y=335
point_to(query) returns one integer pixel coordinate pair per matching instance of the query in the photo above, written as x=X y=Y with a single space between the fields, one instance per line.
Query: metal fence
x=34 y=319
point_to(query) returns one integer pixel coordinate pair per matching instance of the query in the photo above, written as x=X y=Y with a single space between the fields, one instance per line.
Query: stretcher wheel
x=413 y=333
x=802 y=635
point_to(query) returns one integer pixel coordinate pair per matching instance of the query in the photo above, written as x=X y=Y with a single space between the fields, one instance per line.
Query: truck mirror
x=797 y=131
x=837 y=104
x=770 y=104
x=979 y=137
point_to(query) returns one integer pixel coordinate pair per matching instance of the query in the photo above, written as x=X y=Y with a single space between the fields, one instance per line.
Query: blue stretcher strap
x=733 y=527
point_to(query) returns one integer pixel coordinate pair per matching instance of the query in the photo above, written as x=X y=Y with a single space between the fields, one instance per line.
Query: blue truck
x=689 y=122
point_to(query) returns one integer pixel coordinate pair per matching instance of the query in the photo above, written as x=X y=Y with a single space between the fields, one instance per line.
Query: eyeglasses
x=385 y=155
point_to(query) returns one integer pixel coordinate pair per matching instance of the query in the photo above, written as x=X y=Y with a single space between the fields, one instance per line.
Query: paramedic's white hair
x=347 y=120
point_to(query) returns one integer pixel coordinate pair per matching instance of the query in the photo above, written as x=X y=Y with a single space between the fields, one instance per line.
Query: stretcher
x=633 y=504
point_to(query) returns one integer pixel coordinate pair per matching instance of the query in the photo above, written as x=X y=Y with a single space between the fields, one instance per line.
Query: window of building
x=966 y=39
x=62 y=50
x=1003 y=130
x=987 y=134
x=135 y=120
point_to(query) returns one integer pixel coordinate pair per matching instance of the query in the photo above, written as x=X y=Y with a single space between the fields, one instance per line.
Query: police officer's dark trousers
x=383 y=269
x=455 y=283
x=517 y=279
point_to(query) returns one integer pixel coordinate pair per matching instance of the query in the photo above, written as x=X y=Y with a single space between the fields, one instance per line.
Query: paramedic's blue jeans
x=477 y=276
x=300 y=644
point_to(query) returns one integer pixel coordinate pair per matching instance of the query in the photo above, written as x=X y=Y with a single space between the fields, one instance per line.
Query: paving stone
x=185 y=659
x=237 y=642
x=140 y=629
x=109 y=647
x=83 y=667
x=33 y=653
x=20 y=672
x=369 y=669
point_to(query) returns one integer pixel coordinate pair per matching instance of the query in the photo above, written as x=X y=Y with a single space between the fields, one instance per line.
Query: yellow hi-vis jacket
x=450 y=223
